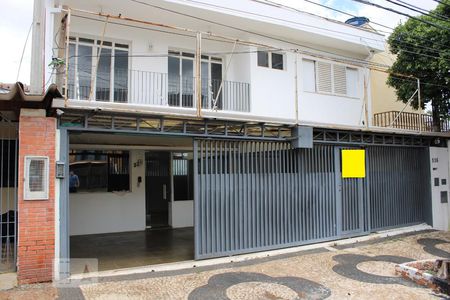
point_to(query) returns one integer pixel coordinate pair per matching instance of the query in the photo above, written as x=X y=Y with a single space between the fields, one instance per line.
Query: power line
x=419 y=10
x=247 y=31
x=442 y=2
x=348 y=14
x=424 y=10
x=402 y=13
x=348 y=60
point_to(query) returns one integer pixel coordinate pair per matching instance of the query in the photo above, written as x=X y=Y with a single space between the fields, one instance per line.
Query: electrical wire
x=422 y=9
x=403 y=14
x=344 y=13
x=442 y=2
x=351 y=60
x=23 y=52
x=428 y=14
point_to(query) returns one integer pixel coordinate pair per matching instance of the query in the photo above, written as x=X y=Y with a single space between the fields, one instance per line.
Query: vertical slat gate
x=254 y=196
x=8 y=195
x=399 y=186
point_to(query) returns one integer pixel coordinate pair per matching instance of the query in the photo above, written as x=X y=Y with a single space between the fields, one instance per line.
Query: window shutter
x=324 y=77
x=340 y=79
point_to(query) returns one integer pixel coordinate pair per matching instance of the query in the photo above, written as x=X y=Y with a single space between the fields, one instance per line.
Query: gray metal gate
x=253 y=196
x=398 y=185
x=8 y=194
x=350 y=199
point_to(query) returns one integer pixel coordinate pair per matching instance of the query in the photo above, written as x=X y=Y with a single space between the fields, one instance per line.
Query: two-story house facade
x=223 y=128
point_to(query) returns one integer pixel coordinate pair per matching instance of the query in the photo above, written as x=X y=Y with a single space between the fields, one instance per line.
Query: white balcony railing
x=151 y=88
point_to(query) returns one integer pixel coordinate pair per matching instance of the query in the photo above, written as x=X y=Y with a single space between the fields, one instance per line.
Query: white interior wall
x=181 y=213
x=104 y=212
x=439 y=163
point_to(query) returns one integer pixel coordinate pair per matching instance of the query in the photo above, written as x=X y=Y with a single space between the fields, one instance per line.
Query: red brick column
x=36 y=218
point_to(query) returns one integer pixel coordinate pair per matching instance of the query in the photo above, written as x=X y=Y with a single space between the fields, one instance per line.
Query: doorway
x=157 y=189
x=350 y=197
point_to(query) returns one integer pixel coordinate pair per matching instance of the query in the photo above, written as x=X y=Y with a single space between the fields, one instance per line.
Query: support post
x=198 y=74
x=420 y=105
x=66 y=83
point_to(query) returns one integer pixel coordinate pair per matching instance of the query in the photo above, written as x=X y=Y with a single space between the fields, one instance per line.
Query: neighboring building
x=232 y=120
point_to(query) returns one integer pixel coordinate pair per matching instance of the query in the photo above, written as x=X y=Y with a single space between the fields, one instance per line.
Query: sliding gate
x=253 y=196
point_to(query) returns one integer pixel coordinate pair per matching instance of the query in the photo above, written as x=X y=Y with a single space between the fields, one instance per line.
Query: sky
x=16 y=18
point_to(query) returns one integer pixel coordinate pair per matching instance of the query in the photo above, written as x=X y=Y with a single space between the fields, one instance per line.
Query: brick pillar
x=36 y=218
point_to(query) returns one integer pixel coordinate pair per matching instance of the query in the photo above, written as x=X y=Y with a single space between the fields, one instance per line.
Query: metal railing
x=151 y=88
x=408 y=121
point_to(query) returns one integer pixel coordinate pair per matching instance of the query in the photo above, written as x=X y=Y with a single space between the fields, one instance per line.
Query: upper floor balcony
x=409 y=121
x=110 y=79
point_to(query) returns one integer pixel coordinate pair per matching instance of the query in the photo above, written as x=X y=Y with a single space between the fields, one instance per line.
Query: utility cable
x=402 y=13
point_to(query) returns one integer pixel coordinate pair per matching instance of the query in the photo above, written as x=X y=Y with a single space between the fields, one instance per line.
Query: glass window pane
x=352 y=82
x=36 y=177
x=205 y=84
x=277 y=61
x=174 y=81
x=216 y=80
x=84 y=71
x=121 y=76
x=187 y=81
x=263 y=58
x=103 y=76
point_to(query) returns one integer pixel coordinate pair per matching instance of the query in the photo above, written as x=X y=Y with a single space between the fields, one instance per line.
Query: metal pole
x=420 y=105
x=198 y=74
x=67 y=56
x=296 y=88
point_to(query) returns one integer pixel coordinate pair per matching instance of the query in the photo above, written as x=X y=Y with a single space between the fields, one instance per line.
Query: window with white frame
x=269 y=59
x=181 y=79
x=106 y=81
x=36 y=178
x=335 y=79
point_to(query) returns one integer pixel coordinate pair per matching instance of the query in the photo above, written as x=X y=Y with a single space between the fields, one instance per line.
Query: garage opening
x=131 y=200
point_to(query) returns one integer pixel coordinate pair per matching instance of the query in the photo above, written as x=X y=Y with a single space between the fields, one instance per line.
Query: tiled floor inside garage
x=133 y=249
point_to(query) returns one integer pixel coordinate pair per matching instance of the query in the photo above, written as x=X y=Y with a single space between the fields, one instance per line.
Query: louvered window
x=324 y=81
x=323 y=77
x=340 y=80
x=36 y=178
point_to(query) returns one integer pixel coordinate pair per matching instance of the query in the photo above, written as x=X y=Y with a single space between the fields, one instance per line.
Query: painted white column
x=439 y=163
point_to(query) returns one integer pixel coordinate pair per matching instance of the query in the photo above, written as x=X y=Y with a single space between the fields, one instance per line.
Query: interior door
x=157 y=189
x=350 y=196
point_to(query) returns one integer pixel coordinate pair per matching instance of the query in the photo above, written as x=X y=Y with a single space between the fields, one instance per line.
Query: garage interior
x=131 y=199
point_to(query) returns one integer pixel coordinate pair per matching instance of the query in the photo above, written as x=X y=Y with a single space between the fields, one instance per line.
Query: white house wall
x=92 y=213
x=273 y=92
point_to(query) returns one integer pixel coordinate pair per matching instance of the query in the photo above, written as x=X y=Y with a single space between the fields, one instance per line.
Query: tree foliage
x=422 y=51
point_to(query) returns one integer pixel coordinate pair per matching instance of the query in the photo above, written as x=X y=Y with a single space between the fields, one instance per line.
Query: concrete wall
x=439 y=162
x=104 y=212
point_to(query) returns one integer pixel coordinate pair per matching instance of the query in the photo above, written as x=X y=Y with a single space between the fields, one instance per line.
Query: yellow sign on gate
x=353 y=163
